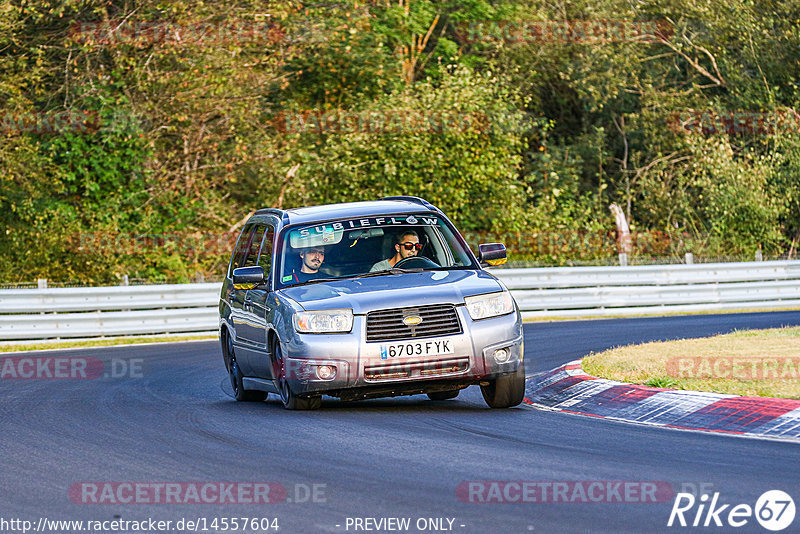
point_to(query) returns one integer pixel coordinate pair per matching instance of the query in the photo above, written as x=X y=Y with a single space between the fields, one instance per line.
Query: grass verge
x=105 y=342
x=762 y=363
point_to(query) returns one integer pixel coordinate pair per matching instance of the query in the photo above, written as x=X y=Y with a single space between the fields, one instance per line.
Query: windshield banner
x=368 y=222
x=331 y=233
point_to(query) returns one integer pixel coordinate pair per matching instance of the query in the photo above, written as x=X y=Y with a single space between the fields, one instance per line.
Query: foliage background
x=183 y=142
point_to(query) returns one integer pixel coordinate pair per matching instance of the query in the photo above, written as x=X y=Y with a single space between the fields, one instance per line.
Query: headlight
x=489 y=305
x=321 y=322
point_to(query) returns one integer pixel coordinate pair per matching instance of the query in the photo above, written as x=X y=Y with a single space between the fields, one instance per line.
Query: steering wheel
x=416 y=262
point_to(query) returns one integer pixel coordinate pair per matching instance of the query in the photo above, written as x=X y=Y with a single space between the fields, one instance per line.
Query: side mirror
x=492 y=254
x=248 y=277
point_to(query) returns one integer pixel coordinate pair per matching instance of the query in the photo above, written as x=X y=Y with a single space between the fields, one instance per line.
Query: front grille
x=416 y=369
x=437 y=320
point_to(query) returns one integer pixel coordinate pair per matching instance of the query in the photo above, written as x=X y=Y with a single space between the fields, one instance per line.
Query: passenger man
x=406 y=245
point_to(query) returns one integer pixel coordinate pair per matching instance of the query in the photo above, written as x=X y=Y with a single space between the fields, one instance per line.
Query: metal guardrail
x=653 y=289
x=541 y=293
x=108 y=311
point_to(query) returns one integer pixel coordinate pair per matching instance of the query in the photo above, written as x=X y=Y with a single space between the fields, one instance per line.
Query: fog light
x=326 y=372
x=502 y=355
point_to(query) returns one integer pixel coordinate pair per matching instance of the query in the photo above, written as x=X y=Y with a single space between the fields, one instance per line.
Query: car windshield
x=369 y=246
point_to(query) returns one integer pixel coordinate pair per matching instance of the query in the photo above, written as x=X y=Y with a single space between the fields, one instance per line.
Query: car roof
x=371 y=208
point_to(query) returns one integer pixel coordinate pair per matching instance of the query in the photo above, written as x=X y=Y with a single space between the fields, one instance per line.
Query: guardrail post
x=125 y=280
x=623 y=259
x=42 y=283
x=689 y=258
x=759 y=255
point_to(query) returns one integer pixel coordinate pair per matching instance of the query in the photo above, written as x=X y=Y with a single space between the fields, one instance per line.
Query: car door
x=262 y=308
x=236 y=296
x=244 y=321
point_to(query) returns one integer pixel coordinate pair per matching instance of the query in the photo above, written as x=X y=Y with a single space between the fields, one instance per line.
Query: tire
x=505 y=391
x=444 y=395
x=235 y=375
x=288 y=398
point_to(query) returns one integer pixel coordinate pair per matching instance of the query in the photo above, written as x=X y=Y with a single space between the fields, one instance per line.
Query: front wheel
x=288 y=398
x=505 y=391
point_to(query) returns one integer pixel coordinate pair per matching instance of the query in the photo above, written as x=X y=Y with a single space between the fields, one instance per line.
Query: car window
x=248 y=246
x=265 y=256
x=254 y=245
x=239 y=253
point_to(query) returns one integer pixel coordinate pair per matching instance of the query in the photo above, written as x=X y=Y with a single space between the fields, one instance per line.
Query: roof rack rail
x=281 y=214
x=274 y=211
x=417 y=200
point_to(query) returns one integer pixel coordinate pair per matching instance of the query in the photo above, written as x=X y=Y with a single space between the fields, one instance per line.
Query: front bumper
x=361 y=371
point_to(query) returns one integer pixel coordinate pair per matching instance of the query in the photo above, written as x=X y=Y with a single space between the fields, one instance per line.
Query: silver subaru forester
x=363 y=300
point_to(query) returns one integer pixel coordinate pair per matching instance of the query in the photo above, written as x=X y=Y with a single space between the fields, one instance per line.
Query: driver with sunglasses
x=406 y=245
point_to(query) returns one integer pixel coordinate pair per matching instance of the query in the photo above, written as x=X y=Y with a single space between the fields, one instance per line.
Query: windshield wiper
x=393 y=270
x=314 y=281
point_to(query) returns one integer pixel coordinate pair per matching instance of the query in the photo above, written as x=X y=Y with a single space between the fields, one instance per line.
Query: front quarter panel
x=283 y=325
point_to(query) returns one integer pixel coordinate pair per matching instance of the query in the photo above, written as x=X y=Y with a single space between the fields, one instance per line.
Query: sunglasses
x=408 y=245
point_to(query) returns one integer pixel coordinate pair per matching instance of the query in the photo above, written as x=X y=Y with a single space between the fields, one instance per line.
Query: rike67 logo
x=774 y=510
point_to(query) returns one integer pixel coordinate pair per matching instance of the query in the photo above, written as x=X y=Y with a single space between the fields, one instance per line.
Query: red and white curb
x=569 y=389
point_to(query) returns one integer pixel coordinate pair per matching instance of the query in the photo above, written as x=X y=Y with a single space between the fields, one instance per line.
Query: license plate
x=434 y=347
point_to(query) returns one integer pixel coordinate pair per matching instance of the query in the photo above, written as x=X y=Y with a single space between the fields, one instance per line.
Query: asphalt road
x=172 y=420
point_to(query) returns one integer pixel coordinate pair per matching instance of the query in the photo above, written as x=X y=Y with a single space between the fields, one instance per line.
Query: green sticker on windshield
x=286 y=278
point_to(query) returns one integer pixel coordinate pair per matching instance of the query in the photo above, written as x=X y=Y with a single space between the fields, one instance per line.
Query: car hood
x=394 y=290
